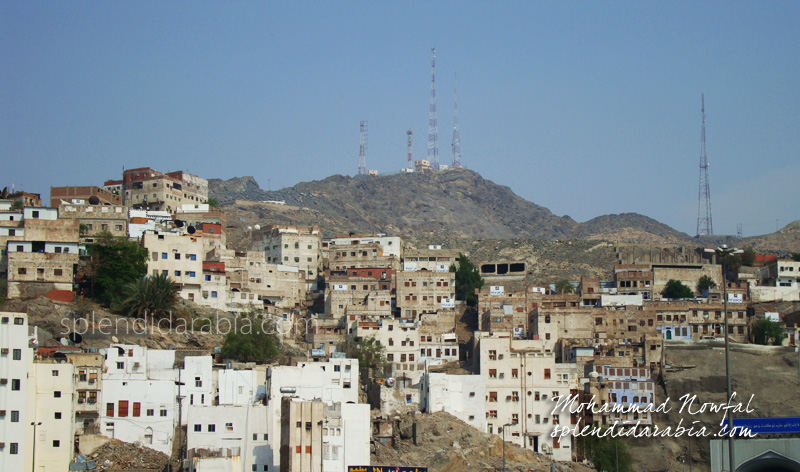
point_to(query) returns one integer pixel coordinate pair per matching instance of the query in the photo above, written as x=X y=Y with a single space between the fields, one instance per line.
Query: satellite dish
x=114 y=339
x=94 y=200
x=75 y=338
x=64 y=341
x=257 y=227
x=249 y=228
x=179 y=223
x=191 y=230
x=33 y=342
x=59 y=355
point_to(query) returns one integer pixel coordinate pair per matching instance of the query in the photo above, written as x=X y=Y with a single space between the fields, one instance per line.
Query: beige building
x=181 y=258
x=96 y=219
x=361 y=256
x=401 y=338
x=293 y=246
x=83 y=195
x=88 y=368
x=433 y=258
x=52 y=411
x=149 y=189
x=424 y=291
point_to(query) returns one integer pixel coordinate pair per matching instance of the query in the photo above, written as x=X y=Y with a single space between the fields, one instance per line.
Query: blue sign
x=787 y=424
x=383 y=468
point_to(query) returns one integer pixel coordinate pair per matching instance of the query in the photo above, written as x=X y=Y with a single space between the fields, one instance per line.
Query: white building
x=198 y=386
x=53 y=414
x=16 y=360
x=234 y=438
x=392 y=245
x=334 y=381
x=140 y=396
x=521 y=382
x=401 y=339
x=463 y=396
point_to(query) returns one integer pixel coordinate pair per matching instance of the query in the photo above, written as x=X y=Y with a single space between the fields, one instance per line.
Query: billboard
x=383 y=468
x=442 y=268
x=735 y=298
x=339 y=287
x=778 y=425
x=496 y=290
x=409 y=266
x=772 y=316
x=448 y=303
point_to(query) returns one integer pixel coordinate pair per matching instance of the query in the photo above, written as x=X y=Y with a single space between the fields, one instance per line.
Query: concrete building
x=96 y=219
x=16 y=360
x=361 y=256
x=780 y=281
x=521 y=381
x=198 y=386
x=53 y=414
x=181 y=258
x=148 y=189
x=401 y=338
x=434 y=259
x=83 y=195
x=88 y=368
x=463 y=396
x=293 y=246
x=239 y=387
x=390 y=245
x=231 y=438
x=140 y=396
x=424 y=291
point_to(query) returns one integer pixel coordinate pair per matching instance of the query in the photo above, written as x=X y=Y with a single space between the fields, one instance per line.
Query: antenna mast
x=433 y=127
x=410 y=160
x=704 y=224
x=362 y=150
x=456 y=137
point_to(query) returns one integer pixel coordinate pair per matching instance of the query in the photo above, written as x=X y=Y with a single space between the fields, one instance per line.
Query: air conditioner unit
x=4 y=350
x=2 y=413
x=91 y=381
x=81 y=400
x=3 y=381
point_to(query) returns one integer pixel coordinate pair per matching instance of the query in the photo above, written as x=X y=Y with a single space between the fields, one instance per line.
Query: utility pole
x=34 y=424
x=456 y=136
x=433 y=125
x=362 y=150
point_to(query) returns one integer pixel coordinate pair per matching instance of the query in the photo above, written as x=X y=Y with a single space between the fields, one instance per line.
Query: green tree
x=676 y=290
x=17 y=205
x=257 y=344
x=796 y=257
x=467 y=280
x=371 y=354
x=564 y=286
x=705 y=283
x=748 y=257
x=155 y=296
x=213 y=202
x=768 y=332
x=606 y=453
x=116 y=262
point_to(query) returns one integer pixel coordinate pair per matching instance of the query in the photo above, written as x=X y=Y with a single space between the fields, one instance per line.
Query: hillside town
x=368 y=329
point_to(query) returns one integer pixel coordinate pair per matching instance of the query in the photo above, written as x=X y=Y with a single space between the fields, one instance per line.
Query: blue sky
x=586 y=108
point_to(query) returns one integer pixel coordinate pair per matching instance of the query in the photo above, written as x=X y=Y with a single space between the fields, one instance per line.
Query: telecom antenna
x=456 y=137
x=704 y=225
x=410 y=161
x=433 y=127
x=362 y=150
x=739 y=230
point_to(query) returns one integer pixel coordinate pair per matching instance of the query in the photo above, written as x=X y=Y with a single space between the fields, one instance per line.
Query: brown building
x=82 y=195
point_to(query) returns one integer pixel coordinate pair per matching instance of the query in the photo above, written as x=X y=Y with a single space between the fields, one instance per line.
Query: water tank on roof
x=288 y=389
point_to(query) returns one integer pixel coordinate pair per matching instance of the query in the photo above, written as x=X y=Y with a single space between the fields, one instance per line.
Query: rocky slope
x=456 y=203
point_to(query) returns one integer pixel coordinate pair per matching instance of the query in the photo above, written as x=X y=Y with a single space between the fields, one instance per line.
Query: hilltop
x=457 y=203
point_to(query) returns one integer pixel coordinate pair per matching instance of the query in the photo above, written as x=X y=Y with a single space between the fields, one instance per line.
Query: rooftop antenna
x=456 y=137
x=433 y=127
x=704 y=224
x=362 y=150
x=410 y=160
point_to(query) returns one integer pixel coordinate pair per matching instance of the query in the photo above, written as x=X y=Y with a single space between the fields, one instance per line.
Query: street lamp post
x=34 y=424
x=504 y=445
x=724 y=251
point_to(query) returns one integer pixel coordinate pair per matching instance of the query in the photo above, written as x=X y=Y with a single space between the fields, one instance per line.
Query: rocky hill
x=456 y=203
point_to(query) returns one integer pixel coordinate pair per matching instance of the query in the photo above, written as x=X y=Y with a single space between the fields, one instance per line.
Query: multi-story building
x=521 y=382
x=233 y=438
x=83 y=195
x=401 y=339
x=463 y=396
x=45 y=258
x=390 y=245
x=53 y=413
x=11 y=229
x=16 y=360
x=361 y=256
x=294 y=246
x=140 y=396
x=181 y=258
x=424 y=291
x=149 y=189
x=434 y=259
x=96 y=219
x=88 y=387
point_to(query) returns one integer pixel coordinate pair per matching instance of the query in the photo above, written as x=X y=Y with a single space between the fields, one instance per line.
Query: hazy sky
x=586 y=108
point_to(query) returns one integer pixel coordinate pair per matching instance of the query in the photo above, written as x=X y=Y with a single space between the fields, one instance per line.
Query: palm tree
x=155 y=295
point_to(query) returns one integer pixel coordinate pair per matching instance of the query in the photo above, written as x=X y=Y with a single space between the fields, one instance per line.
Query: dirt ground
x=770 y=374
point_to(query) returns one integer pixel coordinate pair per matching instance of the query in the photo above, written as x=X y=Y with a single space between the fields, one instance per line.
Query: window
x=192 y=257
x=137 y=408
x=109 y=409
x=547 y=373
x=163 y=255
x=515 y=396
x=212 y=428
x=492 y=396
x=514 y=373
x=14 y=449
x=57 y=394
x=177 y=273
x=492 y=413
x=228 y=426
x=54 y=373
x=492 y=373
x=56 y=443
x=190 y=273
x=492 y=355
x=198 y=428
x=163 y=412
x=57 y=415
x=151 y=412
x=120 y=365
x=14 y=416
x=22 y=271
x=17 y=354
x=15 y=384
x=213 y=294
x=122 y=410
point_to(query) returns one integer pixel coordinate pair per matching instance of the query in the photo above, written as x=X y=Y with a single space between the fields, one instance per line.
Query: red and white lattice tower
x=433 y=126
x=456 y=137
x=410 y=160
x=704 y=225
x=362 y=150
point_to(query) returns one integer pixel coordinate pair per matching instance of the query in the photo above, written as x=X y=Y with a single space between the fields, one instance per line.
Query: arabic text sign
x=787 y=424
x=383 y=468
